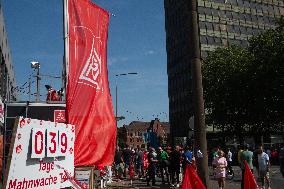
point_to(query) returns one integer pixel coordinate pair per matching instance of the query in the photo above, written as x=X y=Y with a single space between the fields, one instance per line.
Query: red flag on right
x=249 y=180
x=191 y=179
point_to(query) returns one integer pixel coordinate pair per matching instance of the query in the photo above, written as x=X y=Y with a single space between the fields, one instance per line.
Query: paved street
x=276 y=179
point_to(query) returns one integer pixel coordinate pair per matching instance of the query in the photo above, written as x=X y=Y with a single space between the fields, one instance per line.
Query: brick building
x=138 y=133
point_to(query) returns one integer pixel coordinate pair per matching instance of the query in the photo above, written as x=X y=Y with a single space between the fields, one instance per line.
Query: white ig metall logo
x=91 y=73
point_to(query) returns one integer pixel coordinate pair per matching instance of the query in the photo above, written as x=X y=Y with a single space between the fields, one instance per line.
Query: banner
x=89 y=104
x=191 y=179
x=249 y=180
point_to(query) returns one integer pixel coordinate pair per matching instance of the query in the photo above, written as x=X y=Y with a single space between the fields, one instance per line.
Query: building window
x=217 y=27
x=215 y=12
x=210 y=40
x=203 y=40
x=229 y=15
x=243 y=30
x=202 y=25
x=233 y=2
x=209 y=26
x=218 y=41
x=201 y=10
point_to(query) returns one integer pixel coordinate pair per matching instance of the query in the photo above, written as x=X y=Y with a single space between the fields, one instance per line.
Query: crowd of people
x=259 y=158
x=167 y=163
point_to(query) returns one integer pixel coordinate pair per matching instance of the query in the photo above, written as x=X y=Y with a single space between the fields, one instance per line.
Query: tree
x=244 y=87
x=225 y=75
x=267 y=83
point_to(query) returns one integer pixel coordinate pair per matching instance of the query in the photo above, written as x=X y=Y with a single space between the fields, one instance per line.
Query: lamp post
x=116 y=93
x=36 y=65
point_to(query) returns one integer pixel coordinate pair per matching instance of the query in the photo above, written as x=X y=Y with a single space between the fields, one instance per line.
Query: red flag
x=191 y=179
x=89 y=104
x=249 y=180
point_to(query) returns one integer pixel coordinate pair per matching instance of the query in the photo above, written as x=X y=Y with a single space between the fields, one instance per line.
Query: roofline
x=25 y=103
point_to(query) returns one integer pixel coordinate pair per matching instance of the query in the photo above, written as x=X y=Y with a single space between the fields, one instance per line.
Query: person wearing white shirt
x=264 y=166
x=229 y=159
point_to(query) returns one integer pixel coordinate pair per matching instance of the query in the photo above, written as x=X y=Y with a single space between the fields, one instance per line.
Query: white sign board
x=83 y=177
x=43 y=152
x=1 y=111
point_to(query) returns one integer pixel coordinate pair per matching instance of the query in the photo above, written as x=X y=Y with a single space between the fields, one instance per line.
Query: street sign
x=59 y=116
x=41 y=154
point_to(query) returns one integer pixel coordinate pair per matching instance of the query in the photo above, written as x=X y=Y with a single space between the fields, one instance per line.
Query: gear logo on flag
x=91 y=73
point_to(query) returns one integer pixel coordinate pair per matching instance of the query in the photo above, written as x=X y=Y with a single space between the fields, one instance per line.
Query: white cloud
x=114 y=60
x=150 y=52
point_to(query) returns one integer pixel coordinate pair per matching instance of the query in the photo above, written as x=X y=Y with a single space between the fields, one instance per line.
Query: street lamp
x=116 y=93
x=36 y=65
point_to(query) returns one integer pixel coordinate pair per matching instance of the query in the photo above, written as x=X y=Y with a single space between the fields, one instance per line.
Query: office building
x=221 y=23
x=7 y=75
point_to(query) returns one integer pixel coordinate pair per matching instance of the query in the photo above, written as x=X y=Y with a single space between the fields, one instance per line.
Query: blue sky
x=136 y=44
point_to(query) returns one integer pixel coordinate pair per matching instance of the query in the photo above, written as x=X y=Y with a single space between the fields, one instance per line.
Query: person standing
x=139 y=162
x=255 y=161
x=175 y=158
x=268 y=152
x=230 y=159
x=118 y=161
x=152 y=167
x=247 y=156
x=263 y=166
x=187 y=157
x=274 y=157
x=215 y=153
x=220 y=164
x=281 y=160
x=127 y=155
x=163 y=164
x=240 y=151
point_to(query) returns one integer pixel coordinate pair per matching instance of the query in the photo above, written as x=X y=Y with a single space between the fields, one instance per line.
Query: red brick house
x=135 y=133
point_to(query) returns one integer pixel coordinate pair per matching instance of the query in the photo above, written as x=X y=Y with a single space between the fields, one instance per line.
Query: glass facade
x=221 y=23
x=227 y=22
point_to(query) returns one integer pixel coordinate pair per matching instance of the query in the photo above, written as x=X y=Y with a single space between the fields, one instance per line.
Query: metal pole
x=30 y=88
x=116 y=103
x=37 y=86
x=66 y=40
x=116 y=93
x=197 y=89
x=4 y=141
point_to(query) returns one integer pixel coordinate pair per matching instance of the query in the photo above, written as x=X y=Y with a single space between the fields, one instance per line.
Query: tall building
x=221 y=23
x=7 y=75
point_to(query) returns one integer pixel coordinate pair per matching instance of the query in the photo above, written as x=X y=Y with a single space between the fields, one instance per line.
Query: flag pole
x=66 y=44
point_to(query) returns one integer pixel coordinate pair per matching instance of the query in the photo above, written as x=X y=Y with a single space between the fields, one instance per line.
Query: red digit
x=53 y=135
x=63 y=142
x=38 y=139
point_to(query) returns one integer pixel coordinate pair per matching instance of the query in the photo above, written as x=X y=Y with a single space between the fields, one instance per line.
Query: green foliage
x=267 y=82
x=245 y=87
x=225 y=87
